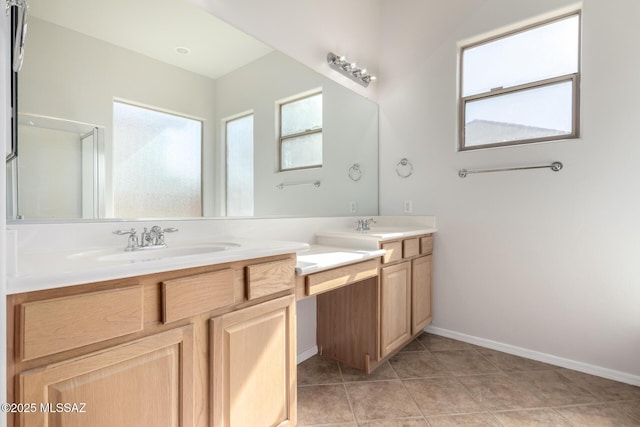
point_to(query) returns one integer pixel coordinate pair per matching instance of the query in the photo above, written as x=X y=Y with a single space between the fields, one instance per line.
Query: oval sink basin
x=151 y=254
x=107 y=255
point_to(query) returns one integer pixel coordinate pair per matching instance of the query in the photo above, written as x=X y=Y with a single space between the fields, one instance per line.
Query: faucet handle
x=131 y=232
x=133 y=238
x=158 y=233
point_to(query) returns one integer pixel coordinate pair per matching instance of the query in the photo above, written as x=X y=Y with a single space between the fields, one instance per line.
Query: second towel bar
x=555 y=166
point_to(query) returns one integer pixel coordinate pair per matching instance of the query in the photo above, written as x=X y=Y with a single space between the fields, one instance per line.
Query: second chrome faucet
x=362 y=225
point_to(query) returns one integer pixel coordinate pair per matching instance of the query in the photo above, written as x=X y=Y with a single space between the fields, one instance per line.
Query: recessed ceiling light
x=183 y=50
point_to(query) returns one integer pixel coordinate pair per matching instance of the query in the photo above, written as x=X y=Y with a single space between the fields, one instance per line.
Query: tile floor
x=436 y=381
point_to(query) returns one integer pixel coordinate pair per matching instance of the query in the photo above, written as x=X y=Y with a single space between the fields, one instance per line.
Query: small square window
x=521 y=87
x=301 y=133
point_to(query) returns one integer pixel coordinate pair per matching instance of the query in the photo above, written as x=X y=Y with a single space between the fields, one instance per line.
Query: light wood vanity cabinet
x=145 y=383
x=253 y=365
x=395 y=307
x=365 y=323
x=405 y=289
x=207 y=346
x=421 y=312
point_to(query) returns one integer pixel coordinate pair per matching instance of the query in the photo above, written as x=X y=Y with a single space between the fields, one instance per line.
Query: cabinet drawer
x=426 y=245
x=341 y=276
x=394 y=251
x=191 y=295
x=410 y=247
x=59 y=324
x=269 y=278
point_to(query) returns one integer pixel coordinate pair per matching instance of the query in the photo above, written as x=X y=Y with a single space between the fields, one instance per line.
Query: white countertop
x=334 y=248
x=46 y=270
x=320 y=258
x=369 y=239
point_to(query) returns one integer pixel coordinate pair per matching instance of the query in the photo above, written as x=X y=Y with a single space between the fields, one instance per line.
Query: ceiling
x=155 y=28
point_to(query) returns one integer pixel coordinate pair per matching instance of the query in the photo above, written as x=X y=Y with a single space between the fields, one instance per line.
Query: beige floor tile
x=452 y=383
x=417 y=364
x=381 y=400
x=496 y=392
x=438 y=343
x=323 y=404
x=631 y=408
x=475 y=420
x=532 y=418
x=405 y=422
x=552 y=388
x=438 y=396
x=598 y=415
x=382 y=372
x=510 y=363
x=602 y=388
x=318 y=370
x=334 y=425
x=465 y=362
x=413 y=346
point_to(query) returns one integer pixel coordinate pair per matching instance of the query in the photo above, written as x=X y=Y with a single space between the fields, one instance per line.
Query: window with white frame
x=239 y=149
x=522 y=86
x=301 y=133
x=156 y=163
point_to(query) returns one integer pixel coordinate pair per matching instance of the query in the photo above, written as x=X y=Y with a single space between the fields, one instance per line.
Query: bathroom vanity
x=187 y=347
x=203 y=334
x=367 y=311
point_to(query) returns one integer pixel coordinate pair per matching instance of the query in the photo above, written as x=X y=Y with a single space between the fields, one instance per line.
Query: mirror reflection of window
x=301 y=133
x=239 y=149
x=157 y=160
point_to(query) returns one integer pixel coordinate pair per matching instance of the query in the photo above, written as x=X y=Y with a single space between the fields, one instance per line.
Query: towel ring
x=404 y=168
x=355 y=173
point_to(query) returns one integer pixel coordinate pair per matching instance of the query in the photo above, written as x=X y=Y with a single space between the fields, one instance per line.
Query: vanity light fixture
x=350 y=69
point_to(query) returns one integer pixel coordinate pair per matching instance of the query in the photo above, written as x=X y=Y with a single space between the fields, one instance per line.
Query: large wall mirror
x=157 y=109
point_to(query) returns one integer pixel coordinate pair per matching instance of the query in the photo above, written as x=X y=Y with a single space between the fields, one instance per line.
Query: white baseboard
x=540 y=357
x=307 y=354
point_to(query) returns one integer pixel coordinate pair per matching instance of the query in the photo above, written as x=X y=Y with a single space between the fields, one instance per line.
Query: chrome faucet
x=149 y=239
x=362 y=225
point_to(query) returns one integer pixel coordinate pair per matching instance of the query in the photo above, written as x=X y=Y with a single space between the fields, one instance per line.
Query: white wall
x=349 y=135
x=308 y=30
x=537 y=260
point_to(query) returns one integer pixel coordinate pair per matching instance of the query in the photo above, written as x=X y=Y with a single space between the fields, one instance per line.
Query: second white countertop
x=319 y=258
x=370 y=239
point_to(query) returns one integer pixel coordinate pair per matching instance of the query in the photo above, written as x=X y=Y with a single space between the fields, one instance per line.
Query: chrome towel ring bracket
x=404 y=168
x=355 y=173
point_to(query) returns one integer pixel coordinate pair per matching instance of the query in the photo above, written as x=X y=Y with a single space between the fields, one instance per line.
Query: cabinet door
x=395 y=307
x=148 y=382
x=421 y=289
x=254 y=366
